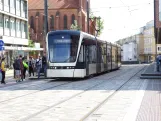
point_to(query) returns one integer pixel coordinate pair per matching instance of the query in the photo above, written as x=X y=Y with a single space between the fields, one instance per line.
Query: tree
x=31 y=44
x=75 y=26
x=99 y=23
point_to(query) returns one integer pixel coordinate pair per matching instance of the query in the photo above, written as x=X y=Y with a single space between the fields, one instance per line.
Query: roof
x=53 y=4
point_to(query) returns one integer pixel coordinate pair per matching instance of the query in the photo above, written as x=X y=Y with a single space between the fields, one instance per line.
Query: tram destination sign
x=62 y=41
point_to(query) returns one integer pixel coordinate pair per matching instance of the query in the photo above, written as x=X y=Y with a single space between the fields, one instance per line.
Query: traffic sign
x=1 y=43
x=1 y=48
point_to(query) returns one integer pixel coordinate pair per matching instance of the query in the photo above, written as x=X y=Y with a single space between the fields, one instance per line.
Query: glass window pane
x=12 y=23
x=6 y=22
x=1 y=20
x=12 y=3
x=18 y=4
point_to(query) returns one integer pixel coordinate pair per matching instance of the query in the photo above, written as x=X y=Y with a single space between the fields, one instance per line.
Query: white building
x=129 y=51
x=14 y=26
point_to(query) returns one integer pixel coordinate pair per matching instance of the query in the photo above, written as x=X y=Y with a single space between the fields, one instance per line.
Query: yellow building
x=140 y=48
x=149 y=44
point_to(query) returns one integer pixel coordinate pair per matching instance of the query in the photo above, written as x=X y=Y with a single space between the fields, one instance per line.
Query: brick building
x=61 y=15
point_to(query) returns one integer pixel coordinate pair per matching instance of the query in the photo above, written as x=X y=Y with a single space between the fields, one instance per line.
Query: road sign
x=1 y=43
x=1 y=48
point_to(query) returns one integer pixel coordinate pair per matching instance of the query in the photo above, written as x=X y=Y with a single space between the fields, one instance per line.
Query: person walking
x=158 y=62
x=44 y=64
x=3 y=69
x=17 y=69
x=31 y=66
x=21 y=67
x=25 y=67
x=38 y=66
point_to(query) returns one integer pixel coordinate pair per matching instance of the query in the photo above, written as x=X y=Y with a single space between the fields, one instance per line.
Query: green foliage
x=99 y=23
x=75 y=26
x=31 y=44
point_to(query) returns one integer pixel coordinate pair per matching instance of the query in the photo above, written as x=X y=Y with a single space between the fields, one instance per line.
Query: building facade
x=61 y=15
x=149 y=44
x=129 y=51
x=145 y=45
x=13 y=27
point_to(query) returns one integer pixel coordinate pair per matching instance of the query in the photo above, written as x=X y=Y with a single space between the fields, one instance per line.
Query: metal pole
x=46 y=30
x=88 y=16
x=46 y=19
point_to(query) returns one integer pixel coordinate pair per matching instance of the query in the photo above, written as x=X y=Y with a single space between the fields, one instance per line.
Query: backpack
x=17 y=64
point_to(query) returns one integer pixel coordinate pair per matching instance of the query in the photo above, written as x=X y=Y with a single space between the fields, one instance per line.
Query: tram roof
x=65 y=31
x=78 y=33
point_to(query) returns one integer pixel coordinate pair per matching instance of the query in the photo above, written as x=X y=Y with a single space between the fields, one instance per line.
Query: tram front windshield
x=63 y=48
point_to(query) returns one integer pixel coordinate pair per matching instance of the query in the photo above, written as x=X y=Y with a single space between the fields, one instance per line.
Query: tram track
x=104 y=81
x=85 y=118
x=39 y=86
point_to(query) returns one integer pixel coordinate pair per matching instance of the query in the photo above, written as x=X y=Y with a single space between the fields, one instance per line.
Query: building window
x=57 y=13
x=12 y=4
x=12 y=24
x=32 y=22
x=65 y=22
x=52 y=22
x=6 y=22
x=6 y=2
x=37 y=13
x=73 y=18
x=43 y=19
x=18 y=26
x=1 y=20
x=18 y=5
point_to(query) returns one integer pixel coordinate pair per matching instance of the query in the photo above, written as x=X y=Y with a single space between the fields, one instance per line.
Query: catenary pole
x=88 y=16
x=45 y=20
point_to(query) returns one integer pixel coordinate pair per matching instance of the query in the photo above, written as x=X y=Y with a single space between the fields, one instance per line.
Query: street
x=116 y=96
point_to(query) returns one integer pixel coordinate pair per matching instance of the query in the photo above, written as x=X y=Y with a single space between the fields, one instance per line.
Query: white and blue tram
x=75 y=54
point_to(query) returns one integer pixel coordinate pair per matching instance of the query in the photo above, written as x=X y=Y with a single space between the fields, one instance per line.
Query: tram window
x=81 y=55
x=92 y=54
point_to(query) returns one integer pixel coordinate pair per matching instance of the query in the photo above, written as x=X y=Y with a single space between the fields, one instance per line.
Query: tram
x=76 y=54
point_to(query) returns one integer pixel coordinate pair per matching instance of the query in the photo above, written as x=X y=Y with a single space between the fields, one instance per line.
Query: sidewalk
x=151 y=72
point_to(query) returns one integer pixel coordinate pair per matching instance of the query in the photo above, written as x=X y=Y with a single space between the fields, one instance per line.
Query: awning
x=22 y=48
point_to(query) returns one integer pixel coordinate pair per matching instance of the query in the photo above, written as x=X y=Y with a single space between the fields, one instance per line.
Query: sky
x=122 y=18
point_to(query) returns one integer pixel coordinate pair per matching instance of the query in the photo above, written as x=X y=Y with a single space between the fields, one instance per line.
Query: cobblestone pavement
x=115 y=96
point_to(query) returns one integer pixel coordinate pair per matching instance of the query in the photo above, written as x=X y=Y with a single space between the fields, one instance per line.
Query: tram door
x=87 y=59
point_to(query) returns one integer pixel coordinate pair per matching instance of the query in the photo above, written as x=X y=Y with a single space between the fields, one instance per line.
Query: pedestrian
x=25 y=67
x=158 y=59
x=21 y=67
x=17 y=69
x=38 y=66
x=44 y=63
x=3 y=69
x=31 y=66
